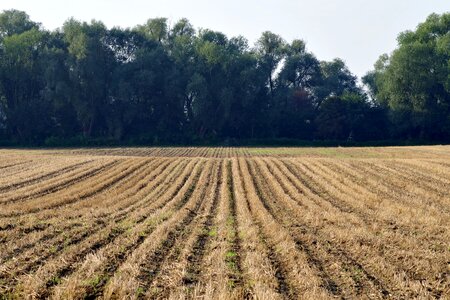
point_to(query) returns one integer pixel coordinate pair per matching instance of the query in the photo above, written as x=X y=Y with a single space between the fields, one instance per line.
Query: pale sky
x=358 y=31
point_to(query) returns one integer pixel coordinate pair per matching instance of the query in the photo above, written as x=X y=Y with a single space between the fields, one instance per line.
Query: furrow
x=142 y=265
x=113 y=234
x=181 y=266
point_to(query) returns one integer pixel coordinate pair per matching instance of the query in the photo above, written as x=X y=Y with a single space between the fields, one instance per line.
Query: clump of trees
x=160 y=84
x=413 y=83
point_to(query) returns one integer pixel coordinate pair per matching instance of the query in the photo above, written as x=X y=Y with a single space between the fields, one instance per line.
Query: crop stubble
x=272 y=223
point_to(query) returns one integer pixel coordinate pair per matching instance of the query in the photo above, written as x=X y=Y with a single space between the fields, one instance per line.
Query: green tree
x=301 y=69
x=15 y=22
x=350 y=117
x=414 y=81
x=155 y=29
x=337 y=79
x=293 y=111
x=271 y=50
x=24 y=109
x=91 y=63
x=182 y=41
x=374 y=79
x=56 y=89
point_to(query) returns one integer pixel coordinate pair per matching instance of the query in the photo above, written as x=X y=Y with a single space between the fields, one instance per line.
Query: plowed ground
x=225 y=223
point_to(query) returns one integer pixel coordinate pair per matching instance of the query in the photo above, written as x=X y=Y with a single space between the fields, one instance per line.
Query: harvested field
x=225 y=223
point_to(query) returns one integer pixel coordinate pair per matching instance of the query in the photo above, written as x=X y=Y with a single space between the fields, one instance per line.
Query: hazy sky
x=357 y=31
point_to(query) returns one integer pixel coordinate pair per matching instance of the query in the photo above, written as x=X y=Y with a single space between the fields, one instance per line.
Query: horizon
x=315 y=28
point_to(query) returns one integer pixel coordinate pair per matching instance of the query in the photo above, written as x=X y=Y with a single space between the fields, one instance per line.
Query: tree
x=270 y=49
x=299 y=76
x=152 y=83
x=301 y=69
x=350 y=117
x=91 y=63
x=336 y=80
x=182 y=40
x=207 y=83
x=155 y=29
x=15 y=22
x=182 y=28
x=23 y=107
x=146 y=97
x=373 y=80
x=414 y=81
x=244 y=97
x=57 y=87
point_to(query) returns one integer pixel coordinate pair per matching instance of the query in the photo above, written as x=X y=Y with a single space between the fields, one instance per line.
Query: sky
x=357 y=31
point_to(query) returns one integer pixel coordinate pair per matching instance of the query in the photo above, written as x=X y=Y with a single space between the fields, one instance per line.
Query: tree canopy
x=157 y=83
x=413 y=83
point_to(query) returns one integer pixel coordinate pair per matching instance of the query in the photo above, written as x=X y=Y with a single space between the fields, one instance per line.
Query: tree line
x=156 y=83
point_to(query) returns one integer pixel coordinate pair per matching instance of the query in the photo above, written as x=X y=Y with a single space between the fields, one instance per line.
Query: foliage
x=164 y=84
x=413 y=82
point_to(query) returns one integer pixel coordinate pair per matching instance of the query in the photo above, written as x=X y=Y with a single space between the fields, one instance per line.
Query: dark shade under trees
x=155 y=84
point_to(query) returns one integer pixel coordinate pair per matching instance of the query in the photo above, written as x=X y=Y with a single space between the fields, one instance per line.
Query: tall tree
x=21 y=81
x=337 y=79
x=155 y=29
x=270 y=48
x=158 y=84
x=298 y=78
x=15 y=22
x=301 y=69
x=91 y=63
x=414 y=80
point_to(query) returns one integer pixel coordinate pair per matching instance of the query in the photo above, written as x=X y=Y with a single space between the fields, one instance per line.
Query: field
x=224 y=223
